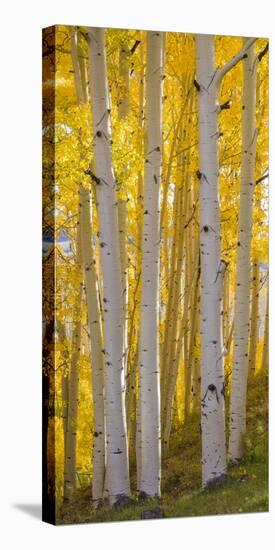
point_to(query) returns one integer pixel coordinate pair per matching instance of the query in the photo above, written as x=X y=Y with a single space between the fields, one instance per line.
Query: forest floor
x=245 y=490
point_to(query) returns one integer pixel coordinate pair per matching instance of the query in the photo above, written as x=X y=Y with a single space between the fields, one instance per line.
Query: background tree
x=114 y=356
x=149 y=484
x=99 y=170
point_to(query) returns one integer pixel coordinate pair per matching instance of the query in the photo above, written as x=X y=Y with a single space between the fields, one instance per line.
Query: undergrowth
x=245 y=490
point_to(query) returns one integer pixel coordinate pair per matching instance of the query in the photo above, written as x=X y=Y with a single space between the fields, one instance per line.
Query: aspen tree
x=242 y=291
x=212 y=375
x=78 y=67
x=254 y=323
x=193 y=335
x=64 y=384
x=140 y=191
x=73 y=379
x=181 y=230
x=122 y=224
x=116 y=439
x=169 y=363
x=150 y=468
x=92 y=300
x=194 y=313
x=172 y=381
x=95 y=344
x=265 y=357
x=172 y=355
x=171 y=287
x=124 y=92
x=226 y=307
x=188 y=279
x=123 y=111
x=171 y=321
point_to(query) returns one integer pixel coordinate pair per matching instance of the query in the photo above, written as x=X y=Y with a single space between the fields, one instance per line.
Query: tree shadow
x=33 y=510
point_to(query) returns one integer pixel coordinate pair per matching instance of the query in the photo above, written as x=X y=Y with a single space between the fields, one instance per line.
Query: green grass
x=245 y=490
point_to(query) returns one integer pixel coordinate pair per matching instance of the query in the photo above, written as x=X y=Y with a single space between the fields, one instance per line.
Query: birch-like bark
x=122 y=224
x=254 y=323
x=265 y=356
x=150 y=467
x=193 y=335
x=116 y=435
x=212 y=269
x=242 y=291
x=226 y=307
x=92 y=298
x=95 y=346
x=140 y=144
x=212 y=375
x=123 y=111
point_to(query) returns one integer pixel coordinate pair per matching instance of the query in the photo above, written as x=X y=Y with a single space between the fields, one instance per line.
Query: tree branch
x=263 y=52
x=262 y=178
x=236 y=59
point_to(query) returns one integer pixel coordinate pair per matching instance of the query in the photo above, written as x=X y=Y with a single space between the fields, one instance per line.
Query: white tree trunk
x=122 y=224
x=212 y=376
x=123 y=111
x=265 y=356
x=254 y=317
x=150 y=466
x=116 y=434
x=242 y=291
x=95 y=346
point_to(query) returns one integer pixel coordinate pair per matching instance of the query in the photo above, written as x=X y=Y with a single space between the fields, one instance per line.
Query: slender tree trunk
x=188 y=278
x=123 y=111
x=65 y=397
x=114 y=358
x=124 y=90
x=169 y=320
x=77 y=67
x=149 y=483
x=140 y=192
x=242 y=292
x=172 y=326
x=193 y=335
x=226 y=307
x=265 y=357
x=131 y=402
x=92 y=298
x=73 y=379
x=254 y=324
x=95 y=345
x=122 y=224
x=65 y=381
x=212 y=376
x=175 y=362
x=212 y=269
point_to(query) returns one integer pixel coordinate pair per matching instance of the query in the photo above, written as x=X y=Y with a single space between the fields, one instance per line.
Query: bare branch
x=262 y=178
x=263 y=52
